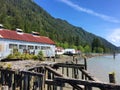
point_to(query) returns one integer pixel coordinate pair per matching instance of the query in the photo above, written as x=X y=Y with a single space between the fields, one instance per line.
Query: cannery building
x=24 y=42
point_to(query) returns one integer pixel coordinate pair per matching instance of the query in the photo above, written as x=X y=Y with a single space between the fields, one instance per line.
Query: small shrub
x=10 y=56
x=34 y=57
x=40 y=56
x=8 y=65
x=26 y=56
x=14 y=55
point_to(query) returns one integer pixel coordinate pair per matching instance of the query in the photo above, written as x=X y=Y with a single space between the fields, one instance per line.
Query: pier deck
x=50 y=76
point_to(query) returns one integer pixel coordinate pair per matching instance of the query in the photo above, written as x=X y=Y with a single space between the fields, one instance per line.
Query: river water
x=101 y=66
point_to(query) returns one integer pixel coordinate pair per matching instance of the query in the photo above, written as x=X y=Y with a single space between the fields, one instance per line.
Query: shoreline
x=90 y=55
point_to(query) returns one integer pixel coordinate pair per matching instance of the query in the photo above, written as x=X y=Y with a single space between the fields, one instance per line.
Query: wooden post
x=88 y=88
x=42 y=82
x=85 y=63
x=53 y=59
x=38 y=83
x=54 y=87
x=14 y=84
x=73 y=73
x=10 y=81
x=28 y=81
x=21 y=82
x=2 y=78
x=49 y=77
x=76 y=61
x=25 y=82
x=67 y=72
x=73 y=57
x=62 y=70
x=77 y=71
x=112 y=77
x=82 y=75
x=113 y=55
x=61 y=88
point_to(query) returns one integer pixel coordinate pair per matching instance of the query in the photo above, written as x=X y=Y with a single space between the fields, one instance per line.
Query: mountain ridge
x=27 y=15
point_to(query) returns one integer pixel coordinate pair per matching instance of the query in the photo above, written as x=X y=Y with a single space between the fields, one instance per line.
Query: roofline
x=27 y=41
x=53 y=43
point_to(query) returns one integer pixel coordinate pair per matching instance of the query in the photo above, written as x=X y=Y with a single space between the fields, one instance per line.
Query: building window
x=37 y=47
x=13 y=46
x=22 y=46
x=30 y=47
x=44 y=47
x=47 y=48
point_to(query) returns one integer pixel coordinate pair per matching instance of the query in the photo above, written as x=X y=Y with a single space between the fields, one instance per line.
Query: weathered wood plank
x=32 y=73
x=7 y=70
x=88 y=75
x=69 y=65
x=53 y=71
x=52 y=82
x=60 y=75
x=88 y=83
x=32 y=68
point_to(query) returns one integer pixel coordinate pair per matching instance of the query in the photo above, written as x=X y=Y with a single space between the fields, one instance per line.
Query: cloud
x=114 y=37
x=88 y=11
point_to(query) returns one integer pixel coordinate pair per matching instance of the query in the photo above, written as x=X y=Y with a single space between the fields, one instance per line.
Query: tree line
x=96 y=46
x=28 y=16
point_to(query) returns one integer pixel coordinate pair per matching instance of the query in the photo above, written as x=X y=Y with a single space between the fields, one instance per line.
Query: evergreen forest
x=28 y=16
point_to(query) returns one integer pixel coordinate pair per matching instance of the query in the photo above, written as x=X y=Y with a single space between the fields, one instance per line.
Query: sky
x=100 y=17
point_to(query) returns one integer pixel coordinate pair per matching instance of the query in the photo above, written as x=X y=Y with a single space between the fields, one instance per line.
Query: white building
x=24 y=42
x=69 y=51
x=59 y=51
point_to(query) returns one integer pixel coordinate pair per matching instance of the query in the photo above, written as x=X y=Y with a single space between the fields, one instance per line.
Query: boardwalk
x=52 y=76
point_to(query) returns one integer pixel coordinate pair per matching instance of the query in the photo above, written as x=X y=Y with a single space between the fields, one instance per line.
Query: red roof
x=9 y=34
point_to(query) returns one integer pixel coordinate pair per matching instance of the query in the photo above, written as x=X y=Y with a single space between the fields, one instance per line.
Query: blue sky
x=100 y=17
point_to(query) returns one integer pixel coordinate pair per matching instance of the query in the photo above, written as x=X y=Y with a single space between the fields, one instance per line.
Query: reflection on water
x=101 y=66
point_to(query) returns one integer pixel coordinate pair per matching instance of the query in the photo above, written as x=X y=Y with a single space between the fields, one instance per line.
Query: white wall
x=6 y=50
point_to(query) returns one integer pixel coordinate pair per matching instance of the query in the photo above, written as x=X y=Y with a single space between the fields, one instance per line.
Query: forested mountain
x=27 y=15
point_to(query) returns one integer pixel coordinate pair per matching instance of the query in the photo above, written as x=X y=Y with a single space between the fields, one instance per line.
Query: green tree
x=77 y=41
x=65 y=45
x=97 y=45
x=100 y=50
x=73 y=46
x=80 y=48
x=87 y=49
x=27 y=15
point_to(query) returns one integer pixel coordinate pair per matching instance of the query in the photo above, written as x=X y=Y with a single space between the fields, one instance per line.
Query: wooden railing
x=88 y=84
x=47 y=77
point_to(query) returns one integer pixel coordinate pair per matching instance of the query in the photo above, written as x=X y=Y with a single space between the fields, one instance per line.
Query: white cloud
x=114 y=37
x=81 y=9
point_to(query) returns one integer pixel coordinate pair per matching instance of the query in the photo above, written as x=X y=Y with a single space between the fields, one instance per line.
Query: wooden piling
x=62 y=70
x=67 y=70
x=49 y=77
x=85 y=63
x=36 y=78
x=76 y=61
x=114 y=55
x=112 y=77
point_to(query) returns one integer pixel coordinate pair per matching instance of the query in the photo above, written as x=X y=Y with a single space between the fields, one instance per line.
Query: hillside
x=27 y=15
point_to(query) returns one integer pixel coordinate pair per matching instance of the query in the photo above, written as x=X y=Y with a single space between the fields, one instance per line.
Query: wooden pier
x=54 y=76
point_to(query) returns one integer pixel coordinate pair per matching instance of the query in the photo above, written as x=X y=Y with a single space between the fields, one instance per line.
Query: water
x=101 y=66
